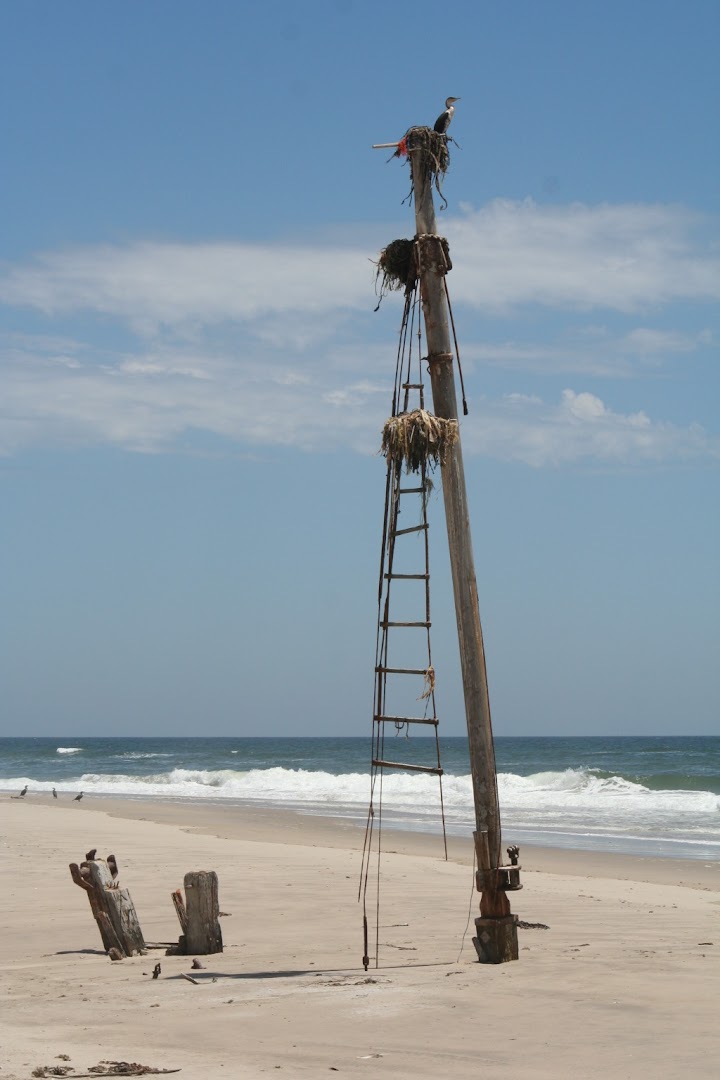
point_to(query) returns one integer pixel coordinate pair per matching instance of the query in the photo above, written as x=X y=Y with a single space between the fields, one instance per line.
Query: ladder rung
x=412 y=386
x=410 y=768
x=401 y=670
x=411 y=491
x=406 y=720
x=385 y=625
x=408 y=577
x=413 y=528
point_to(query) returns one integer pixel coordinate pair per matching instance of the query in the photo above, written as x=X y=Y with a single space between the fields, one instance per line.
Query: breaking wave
x=560 y=808
x=572 y=789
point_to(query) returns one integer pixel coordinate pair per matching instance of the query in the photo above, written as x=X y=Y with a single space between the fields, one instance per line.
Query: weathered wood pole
x=112 y=907
x=199 y=914
x=497 y=928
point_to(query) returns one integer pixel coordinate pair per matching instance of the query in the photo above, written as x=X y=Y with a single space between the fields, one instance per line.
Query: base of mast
x=496 y=928
x=497 y=939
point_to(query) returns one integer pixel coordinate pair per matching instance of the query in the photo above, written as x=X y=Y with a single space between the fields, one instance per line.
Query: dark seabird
x=24 y=792
x=54 y=794
x=443 y=121
x=78 y=797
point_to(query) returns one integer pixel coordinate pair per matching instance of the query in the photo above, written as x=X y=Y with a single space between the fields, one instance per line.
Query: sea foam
x=546 y=792
x=565 y=805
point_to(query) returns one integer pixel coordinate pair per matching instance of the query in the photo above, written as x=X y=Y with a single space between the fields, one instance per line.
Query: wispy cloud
x=152 y=285
x=624 y=258
x=151 y=403
x=591 y=351
x=265 y=344
x=581 y=428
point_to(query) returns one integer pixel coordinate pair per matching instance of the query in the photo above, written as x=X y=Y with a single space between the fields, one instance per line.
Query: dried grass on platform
x=418 y=438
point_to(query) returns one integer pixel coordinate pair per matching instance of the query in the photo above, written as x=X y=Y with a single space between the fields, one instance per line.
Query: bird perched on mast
x=443 y=121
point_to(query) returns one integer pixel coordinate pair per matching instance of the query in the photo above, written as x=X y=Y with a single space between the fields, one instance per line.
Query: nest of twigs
x=418 y=439
x=396 y=268
x=429 y=149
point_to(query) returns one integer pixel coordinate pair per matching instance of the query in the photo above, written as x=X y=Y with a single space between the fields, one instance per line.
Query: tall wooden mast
x=496 y=939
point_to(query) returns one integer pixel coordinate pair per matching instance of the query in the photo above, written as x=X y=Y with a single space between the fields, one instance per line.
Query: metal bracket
x=439 y=358
x=502 y=878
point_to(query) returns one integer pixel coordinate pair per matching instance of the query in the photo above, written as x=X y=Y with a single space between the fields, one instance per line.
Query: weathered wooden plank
x=177 y=898
x=408 y=768
x=119 y=907
x=433 y=721
x=385 y=624
x=472 y=653
x=493 y=945
x=407 y=577
x=401 y=670
x=203 y=934
x=112 y=908
x=109 y=939
x=411 y=529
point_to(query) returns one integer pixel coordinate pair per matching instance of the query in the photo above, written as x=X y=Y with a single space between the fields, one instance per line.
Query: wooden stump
x=497 y=940
x=112 y=907
x=199 y=914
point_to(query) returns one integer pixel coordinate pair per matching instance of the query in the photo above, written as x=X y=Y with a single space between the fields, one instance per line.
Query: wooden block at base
x=497 y=940
x=202 y=934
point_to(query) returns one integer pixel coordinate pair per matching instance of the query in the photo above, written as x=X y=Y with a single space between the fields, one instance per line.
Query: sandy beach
x=625 y=982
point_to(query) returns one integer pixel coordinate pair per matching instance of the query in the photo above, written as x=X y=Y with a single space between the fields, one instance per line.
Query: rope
x=470 y=907
x=457 y=348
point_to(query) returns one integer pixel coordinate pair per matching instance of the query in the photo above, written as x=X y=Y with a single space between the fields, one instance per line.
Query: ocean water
x=645 y=796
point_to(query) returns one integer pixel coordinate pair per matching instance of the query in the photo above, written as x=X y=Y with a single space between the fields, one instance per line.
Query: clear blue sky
x=193 y=380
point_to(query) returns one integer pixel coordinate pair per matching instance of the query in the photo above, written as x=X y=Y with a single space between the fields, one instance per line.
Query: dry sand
x=625 y=983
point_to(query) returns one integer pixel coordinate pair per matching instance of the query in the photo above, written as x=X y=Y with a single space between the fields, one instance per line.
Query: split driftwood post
x=111 y=906
x=198 y=914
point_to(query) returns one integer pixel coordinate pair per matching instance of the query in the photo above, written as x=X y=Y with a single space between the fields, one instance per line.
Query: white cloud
x=261 y=344
x=591 y=350
x=625 y=258
x=151 y=403
x=151 y=285
x=583 y=406
x=355 y=394
x=581 y=428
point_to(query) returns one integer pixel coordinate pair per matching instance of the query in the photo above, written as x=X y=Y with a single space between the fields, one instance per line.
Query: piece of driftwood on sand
x=198 y=914
x=112 y=907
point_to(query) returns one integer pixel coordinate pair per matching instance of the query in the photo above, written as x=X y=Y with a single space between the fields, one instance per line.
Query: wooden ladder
x=405 y=688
